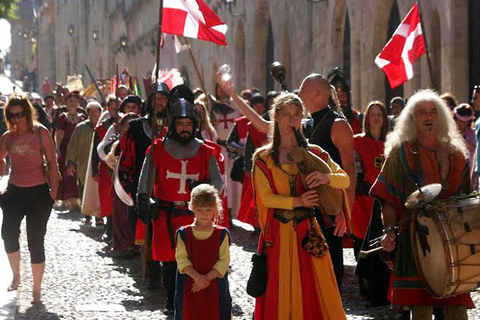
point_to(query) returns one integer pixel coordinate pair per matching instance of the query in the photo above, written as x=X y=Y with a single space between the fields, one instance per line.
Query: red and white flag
x=193 y=19
x=406 y=45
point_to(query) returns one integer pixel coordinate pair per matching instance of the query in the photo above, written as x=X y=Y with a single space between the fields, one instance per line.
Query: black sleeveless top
x=319 y=131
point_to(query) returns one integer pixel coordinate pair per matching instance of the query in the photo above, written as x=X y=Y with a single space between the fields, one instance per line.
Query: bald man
x=332 y=132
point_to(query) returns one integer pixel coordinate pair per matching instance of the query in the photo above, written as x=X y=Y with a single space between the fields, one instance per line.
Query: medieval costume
x=339 y=80
x=373 y=273
x=299 y=285
x=68 y=185
x=223 y=116
x=247 y=212
x=406 y=165
x=79 y=149
x=204 y=250
x=177 y=165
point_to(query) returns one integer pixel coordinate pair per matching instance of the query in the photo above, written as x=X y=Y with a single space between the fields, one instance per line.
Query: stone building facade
x=305 y=35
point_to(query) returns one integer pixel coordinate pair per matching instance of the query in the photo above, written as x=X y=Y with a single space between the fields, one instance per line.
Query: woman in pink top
x=464 y=117
x=28 y=194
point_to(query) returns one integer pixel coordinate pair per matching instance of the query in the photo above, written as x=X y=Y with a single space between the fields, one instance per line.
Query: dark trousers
x=35 y=204
x=335 y=247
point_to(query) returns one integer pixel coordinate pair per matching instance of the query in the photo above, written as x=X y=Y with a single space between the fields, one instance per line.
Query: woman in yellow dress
x=300 y=285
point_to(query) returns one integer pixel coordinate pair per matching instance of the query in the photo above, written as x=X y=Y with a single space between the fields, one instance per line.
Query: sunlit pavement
x=7 y=299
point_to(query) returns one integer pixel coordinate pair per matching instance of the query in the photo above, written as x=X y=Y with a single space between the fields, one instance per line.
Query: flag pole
x=200 y=78
x=429 y=58
x=146 y=250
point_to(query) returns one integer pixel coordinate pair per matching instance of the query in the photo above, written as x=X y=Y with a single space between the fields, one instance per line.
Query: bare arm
x=258 y=122
x=342 y=137
x=51 y=157
x=4 y=152
x=389 y=219
x=59 y=134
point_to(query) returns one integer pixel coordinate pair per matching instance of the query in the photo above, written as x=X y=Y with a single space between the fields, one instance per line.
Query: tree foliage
x=8 y=8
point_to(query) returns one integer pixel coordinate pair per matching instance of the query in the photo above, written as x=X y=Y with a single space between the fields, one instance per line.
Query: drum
x=446 y=245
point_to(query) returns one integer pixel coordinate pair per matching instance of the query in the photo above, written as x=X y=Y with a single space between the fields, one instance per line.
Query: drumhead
x=431 y=264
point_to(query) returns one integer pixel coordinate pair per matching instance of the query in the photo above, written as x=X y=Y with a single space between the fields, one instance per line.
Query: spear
x=146 y=248
x=100 y=93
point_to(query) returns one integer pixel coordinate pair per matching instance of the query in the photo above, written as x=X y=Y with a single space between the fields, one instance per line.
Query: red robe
x=370 y=152
x=105 y=182
x=247 y=212
x=355 y=122
x=68 y=185
x=171 y=185
x=214 y=302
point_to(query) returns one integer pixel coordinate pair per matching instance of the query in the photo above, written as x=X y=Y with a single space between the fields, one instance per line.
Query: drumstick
x=364 y=254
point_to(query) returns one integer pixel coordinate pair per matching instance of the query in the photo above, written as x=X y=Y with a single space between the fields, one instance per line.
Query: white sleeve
x=105 y=142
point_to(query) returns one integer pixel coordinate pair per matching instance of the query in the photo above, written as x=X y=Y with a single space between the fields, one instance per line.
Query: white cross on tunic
x=182 y=176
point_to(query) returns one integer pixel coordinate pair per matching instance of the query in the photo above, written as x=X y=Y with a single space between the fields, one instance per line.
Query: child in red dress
x=203 y=257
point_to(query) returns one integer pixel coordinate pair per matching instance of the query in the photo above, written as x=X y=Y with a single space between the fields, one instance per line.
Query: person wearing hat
x=180 y=162
x=338 y=79
x=78 y=149
x=67 y=121
x=100 y=170
x=133 y=145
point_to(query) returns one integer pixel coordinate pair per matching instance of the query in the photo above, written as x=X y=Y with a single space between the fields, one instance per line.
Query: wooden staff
x=146 y=250
x=200 y=78
x=424 y=34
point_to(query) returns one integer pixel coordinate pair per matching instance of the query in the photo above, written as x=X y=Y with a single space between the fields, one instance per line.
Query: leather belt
x=296 y=215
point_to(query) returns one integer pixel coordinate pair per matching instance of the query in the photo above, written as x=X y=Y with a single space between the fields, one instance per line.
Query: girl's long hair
x=406 y=125
x=282 y=101
x=366 y=119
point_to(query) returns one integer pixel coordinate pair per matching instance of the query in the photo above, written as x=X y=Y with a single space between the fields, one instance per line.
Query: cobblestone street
x=82 y=282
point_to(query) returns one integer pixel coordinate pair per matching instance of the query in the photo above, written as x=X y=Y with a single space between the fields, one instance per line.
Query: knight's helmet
x=339 y=81
x=181 y=105
x=156 y=87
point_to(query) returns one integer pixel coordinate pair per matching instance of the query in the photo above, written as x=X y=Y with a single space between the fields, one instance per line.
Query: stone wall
x=307 y=37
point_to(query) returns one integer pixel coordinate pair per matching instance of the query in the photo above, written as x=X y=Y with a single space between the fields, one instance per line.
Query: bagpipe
x=331 y=200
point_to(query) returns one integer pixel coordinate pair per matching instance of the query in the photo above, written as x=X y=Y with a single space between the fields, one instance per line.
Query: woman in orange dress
x=300 y=285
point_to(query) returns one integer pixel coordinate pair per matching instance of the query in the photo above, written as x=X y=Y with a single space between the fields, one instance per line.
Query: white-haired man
x=78 y=149
x=425 y=148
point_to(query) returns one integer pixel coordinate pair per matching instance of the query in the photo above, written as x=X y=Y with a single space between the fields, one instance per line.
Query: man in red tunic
x=180 y=162
x=100 y=171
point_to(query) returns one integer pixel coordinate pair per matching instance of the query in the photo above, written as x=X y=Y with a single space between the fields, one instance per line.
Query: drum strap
x=418 y=176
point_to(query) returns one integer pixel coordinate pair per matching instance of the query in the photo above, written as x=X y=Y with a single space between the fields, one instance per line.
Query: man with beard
x=133 y=146
x=337 y=78
x=180 y=162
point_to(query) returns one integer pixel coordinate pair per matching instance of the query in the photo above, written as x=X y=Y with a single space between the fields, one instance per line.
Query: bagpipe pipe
x=331 y=200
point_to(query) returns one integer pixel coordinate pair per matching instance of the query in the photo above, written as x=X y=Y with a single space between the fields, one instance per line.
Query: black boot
x=169 y=274
x=154 y=274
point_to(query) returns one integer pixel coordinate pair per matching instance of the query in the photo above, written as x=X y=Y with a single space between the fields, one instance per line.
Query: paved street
x=81 y=282
x=7 y=299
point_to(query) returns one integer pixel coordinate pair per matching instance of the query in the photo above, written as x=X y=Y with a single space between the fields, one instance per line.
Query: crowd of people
x=166 y=175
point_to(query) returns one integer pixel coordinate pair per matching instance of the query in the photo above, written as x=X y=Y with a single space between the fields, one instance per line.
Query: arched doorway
x=436 y=51
x=269 y=57
x=393 y=23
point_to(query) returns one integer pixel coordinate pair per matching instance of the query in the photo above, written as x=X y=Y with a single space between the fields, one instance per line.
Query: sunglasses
x=17 y=115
